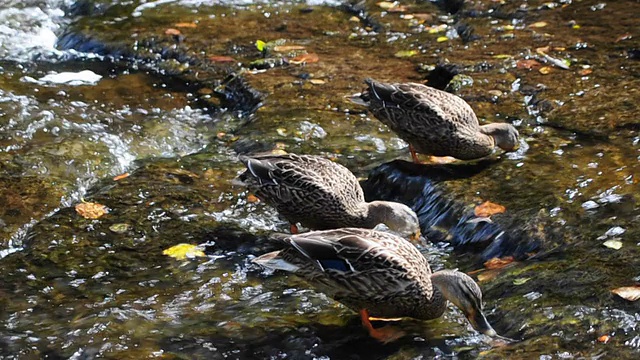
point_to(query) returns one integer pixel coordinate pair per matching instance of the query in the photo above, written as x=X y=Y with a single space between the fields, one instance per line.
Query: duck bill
x=480 y=323
x=416 y=236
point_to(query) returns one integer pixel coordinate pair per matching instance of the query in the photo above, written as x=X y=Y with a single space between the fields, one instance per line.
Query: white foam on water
x=28 y=28
x=146 y=5
x=84 y=77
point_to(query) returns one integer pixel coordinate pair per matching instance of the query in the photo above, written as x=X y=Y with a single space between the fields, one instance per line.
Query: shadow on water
x=442 y=218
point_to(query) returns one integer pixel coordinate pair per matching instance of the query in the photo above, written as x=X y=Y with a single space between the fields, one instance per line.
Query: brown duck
x=321 y=194
x=434 y=122
x=378 y=274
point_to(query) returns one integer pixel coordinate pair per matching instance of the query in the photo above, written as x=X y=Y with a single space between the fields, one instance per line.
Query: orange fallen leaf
x=498 y=263
x=585 y=72
x=89 y=210
x=121 y=176
x=221 y=58
x=252 y=198
x=172 y=31
x=527 y=64
x=284 y=48
x=631 y=293
x=305 y=59
x=185 y=25
x=604 y=338
x=488 y=208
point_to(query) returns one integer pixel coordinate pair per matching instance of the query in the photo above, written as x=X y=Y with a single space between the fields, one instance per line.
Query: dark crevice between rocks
x=221 y=89
x=442 y=75
x=359 y=10
x=444 y=219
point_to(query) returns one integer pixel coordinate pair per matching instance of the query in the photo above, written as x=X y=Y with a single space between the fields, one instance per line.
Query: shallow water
x=75 y=288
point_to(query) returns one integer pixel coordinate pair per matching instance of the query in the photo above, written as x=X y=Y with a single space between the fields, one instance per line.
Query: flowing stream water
x=147 y=101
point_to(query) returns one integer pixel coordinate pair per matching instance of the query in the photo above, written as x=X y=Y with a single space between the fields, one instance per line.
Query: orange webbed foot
x=385 y=334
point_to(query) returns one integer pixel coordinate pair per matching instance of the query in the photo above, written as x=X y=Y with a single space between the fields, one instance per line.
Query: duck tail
x=379 y=90
x=260 y=170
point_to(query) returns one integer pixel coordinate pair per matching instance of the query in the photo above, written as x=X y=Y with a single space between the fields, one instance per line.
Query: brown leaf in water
x=498 y=263
x=488 y=275
x=527 y=64
x=585 y=72
x=89 y=210
x=488 y=208
x=622 y=37
x=305 y=59
x=631 y=293
x=539 y=24
x=285 y=48
x=398 y=8
x=172 y=31
x=423 y=16
x=545 y=70
x=121 y=176
x=186 y=25
x=221 y=58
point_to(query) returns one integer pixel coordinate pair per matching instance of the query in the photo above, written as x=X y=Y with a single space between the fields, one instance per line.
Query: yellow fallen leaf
x=89 y=210
x=488 y=208
x=405 y=53
x=436 y=29
x=631 y=293
x=545 y=70
x=442 y=39
x=539 y=24
x=260 y=45
x=613 y=244
x=520 y=281
x=386 y=4
x=183 y=251
x=317 y=81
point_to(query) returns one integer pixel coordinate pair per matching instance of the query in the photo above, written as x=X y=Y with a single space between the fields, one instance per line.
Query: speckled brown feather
x=434 y=122
x=311 y=190
x=380 y=272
